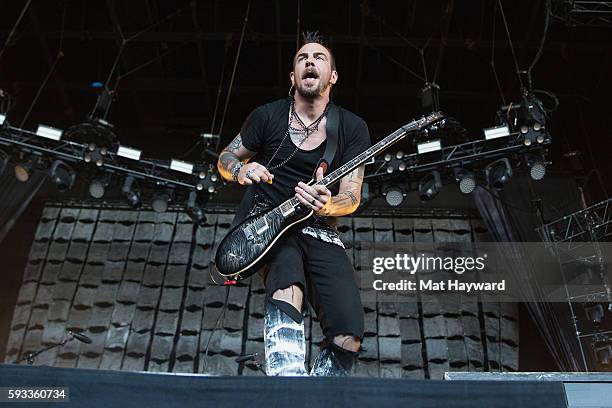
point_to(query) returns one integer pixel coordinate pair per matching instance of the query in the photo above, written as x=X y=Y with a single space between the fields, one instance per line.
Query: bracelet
x=236 y=170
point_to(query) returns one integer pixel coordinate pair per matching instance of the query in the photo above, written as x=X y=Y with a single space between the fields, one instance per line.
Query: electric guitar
x=243 y=249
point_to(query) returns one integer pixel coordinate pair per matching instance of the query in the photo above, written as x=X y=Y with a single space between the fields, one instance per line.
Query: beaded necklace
x=303 y=129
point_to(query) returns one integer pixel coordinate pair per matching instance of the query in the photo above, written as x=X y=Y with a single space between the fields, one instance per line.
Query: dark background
x=172 y=78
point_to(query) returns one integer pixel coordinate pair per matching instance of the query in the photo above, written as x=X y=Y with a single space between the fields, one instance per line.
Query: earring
x=292 y=90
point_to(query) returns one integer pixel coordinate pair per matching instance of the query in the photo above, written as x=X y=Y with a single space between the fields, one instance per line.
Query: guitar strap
x=331 y=129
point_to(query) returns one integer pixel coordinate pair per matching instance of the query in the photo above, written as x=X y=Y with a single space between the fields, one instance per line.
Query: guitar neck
x=384 y=144
x=351 y=165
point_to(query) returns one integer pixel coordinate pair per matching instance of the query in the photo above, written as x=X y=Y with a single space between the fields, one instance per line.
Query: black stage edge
x=100 y=388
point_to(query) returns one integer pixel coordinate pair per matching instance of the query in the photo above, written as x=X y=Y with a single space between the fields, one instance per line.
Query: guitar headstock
x=429 y=119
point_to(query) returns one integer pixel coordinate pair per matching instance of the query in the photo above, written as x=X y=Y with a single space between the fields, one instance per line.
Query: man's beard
x=312 y=93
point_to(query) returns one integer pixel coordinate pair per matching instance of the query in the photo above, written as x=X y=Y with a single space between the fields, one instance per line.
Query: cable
x=297 y=26
x=548 y=13
x=124 y=41
x=12 y=33
x=231 y=84
x=492 y=61
x=221 y=314
x=518 y=71
x=59 y=55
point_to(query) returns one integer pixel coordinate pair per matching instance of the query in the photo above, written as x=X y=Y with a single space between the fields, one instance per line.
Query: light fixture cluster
x=494 y=175
x=89 y=150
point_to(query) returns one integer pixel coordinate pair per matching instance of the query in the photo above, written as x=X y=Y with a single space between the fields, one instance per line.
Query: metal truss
x=204 y=178
x=591 y=224
x=585 y=13
x=461 y=155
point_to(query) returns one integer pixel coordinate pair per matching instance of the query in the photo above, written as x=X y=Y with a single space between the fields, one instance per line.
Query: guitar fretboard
x=351 y=165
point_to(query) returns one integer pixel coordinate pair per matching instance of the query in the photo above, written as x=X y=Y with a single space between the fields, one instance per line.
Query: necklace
x=303 y=129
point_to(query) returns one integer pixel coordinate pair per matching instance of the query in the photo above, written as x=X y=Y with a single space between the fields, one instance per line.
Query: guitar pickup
x=287 y=211
x=262 y=228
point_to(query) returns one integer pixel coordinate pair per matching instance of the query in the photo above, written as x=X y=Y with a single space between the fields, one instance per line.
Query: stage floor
x=102 y=388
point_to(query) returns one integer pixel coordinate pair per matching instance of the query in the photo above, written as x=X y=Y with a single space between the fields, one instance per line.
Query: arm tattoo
x=228 y=160
x=234 y=145
x=351 y=196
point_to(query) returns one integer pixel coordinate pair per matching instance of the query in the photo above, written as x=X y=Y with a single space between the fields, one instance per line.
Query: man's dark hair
x=314 y=37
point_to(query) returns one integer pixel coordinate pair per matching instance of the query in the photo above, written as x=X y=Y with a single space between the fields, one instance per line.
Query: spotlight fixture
x=536 y=166
x=4 y=159
x=498 y=173
x=131 y=192
x=23 y=170
x=603 y=354
x=160 y=200
x=62 y=176
x=430 y=186
x=394 y=196
x=97 y=186
x=595 y=313
x=194 y=210
x=466 y=180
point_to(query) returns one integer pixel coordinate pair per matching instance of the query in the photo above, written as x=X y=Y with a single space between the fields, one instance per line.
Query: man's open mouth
x=311 y=74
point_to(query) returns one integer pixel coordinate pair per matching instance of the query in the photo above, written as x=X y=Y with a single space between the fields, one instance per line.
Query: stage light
x=394 y=196
x=62 y=176
x=160 y=200
x=496 y=132
x=97 y=186
x=428 y=147
x=195 y=212
x=498 y=173
x=603 y=354
x=129 y=153
x=466 y=180
x=4 y=159
x=595 y=313
x=430 y=186
x=2 y=119
x=23 y=170
x=532 y=134
x=49 y=133
x=181 y=166
x=399 y=155
x=131 y=192
x=536 y=166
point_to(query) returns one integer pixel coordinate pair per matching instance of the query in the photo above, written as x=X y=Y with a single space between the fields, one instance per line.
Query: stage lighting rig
x=131 y=192
x=466 y=180
x=528 y=118
x=62 y=175
x=394 y=195
x=98 y=186
x=498 y=173
x=603 y=352
x=161 y=199
x=194 y=209
x=96 y=132
x=23 y=170
x=536 y=166
x=430 y=186
x=595 y=313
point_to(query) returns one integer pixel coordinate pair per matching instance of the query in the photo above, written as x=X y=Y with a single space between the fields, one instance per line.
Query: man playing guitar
x=276 y=152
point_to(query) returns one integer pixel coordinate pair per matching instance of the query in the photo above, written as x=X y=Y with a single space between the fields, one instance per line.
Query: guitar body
x=242 y=251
